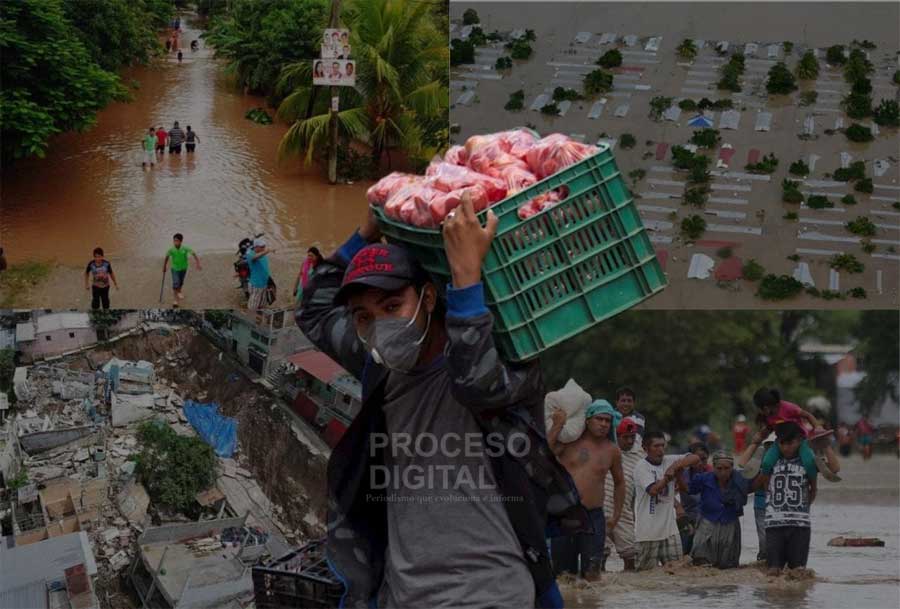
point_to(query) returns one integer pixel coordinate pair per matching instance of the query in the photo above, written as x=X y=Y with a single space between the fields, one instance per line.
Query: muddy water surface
x=91 y=190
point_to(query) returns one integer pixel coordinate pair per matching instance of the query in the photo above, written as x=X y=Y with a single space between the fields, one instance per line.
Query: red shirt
x=740 y=431
x=161 y=137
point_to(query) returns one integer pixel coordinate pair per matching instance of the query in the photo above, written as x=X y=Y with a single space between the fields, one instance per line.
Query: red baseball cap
x=626 y=427
x=380 y=265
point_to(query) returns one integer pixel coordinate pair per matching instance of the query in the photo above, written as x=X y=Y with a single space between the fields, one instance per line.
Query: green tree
x=550 y=109
x=610 y=59
x=808 y=66
x=857 y=67
x=846 y=262
x=835 y=55
x=658 y=105
x=865 y=185
x=688 y=105
x=516 y=101
x=173 y=468
x=597 y=82
x=461 y=51
x=887 y=114
x=693 y=227
x=790 y=191
x=858 y=133
x=470 y=17
x=753 y=270
x=519 y=49
x=627 y=141
x=503 y=63
x=780 y=80
x=799 y=168
x=857 y=105
x=808 y=98
x=862 y=226
x=50 y=82
x=401 y=94
x=706 y=138
x=687 y=49
x=878 y=333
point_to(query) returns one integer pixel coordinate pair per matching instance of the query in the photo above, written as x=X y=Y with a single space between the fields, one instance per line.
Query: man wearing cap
x=626 y=399
x=622 y=535
x=588 y=459
x=258 y=261
x=406 y=528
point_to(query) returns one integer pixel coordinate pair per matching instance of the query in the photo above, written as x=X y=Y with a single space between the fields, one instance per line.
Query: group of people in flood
x=656 y=508
x=157 y=139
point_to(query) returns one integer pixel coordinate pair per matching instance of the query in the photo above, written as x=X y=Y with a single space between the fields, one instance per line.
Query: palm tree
x=400 y=57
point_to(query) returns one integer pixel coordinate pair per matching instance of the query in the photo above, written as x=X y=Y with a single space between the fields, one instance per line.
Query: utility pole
x=333 y=119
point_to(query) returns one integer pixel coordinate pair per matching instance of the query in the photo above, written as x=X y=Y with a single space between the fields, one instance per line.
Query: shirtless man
x=588 y=459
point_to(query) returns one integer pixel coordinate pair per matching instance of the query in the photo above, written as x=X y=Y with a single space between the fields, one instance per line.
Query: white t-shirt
x=654 y=517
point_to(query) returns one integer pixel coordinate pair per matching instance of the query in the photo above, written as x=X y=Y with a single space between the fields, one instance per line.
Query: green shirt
x=179 y=256
x=149 y=143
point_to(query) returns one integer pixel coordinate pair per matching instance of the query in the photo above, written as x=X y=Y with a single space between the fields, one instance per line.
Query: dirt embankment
x=290 y=475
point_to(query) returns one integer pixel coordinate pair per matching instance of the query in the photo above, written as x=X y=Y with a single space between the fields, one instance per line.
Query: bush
x=477 y=37
x=857 y=67
x=461 y=51
x=519 y=49
x=637 y=175
x=696 y=197
x=861 y=226
x=752 y=270
x=780 y=80
x=788 y=47
x=610 y=59
x=470 y=17
x=706 y=138
x=503 y=63
x=688 y=105
x=563 y=94
x=627 y=141
x=516 y=101
x=848 y=200
x=808 y=98
x=867 y=246
x=699 y=174
x=720 y=104
x=693 y=227
x=779 y=287
x=808 y=67
x=835 y=55
x=865 y=185
x=682 y=158
x=550 y=109
x=856 y=171
x=790 y=191
x=658 y=105
x=173 y=468
x=799 y=168
x=597 y=81
x=858 y=133
x=887 y=114
x=768 y=164
x=791 y=215
x=846 y=262
x=863 y=86
x=730 y=80
x=857 y=293
x=818 y=202
x=857 y=105
x=258 y=116
x=687 y=49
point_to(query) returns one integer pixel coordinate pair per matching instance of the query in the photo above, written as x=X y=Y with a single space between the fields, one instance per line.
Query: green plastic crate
x=552 y=276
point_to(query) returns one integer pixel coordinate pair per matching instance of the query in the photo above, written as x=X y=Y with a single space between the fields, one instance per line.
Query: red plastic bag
x=448 y=177
x=542 y=202
x=443 y=204
x=519 y=141
x=517 y=177
x=554 y=153
x=383 y=189
x=456 y=155
x=410 y=205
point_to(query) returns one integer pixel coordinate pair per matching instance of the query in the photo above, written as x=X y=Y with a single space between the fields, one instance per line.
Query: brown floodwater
x=90 y=190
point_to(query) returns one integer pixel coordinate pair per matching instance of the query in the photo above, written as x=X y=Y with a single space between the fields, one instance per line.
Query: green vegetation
x=682 y=158
x=731 y=74
x=768 y=164
x=818 y=202
x=597 y=82
x=857 y=105
x=835 y=55
x=503 y=63
x=470 y=17
x=724 y=253
x=563 y=94
x=879 y=346
x=658 y=105
x=719 y=104
x=104 y=319
x=516 y=101
x=791 y=215
x=896 y=78
x=778 y=287
x=808 y=66
x=780 y=80
x=217 y=318
x=846 y=262
x=173 y=468
x=856 y=171
x=610 y=59
x=17 y=280
x=858 y=133
x=848 y=200
x=752 y=270
x=687 y=49
x=59 y=63
x=550 y=109
x=627 y=141
x=461 y=52
x=696 y=197
x=519 y=49
x=788 y=47
x=865 y=185
x=808 y=98
x=258 y=116
x=799 y=168
x=401 y=96
x=637 y=175
x=477 y=37
x=7 y=370
x=790 y=191
x=867 y=246
x=862 y=226
x=699 y=171
x=693 y=227
x=706 y=138
x=887 y=114
x=688 y=105
x=857 y=293
x=857 y=67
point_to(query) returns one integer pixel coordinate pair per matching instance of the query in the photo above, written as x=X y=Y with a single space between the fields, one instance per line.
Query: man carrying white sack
x=588 y=459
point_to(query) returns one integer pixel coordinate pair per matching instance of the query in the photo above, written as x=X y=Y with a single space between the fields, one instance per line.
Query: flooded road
x=865 y=504
x=91 y=191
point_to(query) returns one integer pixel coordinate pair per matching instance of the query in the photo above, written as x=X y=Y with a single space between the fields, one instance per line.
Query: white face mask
x=394 y=342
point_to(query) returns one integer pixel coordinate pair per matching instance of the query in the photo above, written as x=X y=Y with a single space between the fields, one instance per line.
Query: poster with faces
x=336 y=44
x=334 y=72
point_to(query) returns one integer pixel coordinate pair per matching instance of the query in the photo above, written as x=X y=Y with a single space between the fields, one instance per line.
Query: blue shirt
x=259 y=270
x=759 y=500
x=715 y=505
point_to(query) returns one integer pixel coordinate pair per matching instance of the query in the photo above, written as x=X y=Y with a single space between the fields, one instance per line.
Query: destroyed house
x=53 y=334
x=301 y=578
x=323 y=393
x=263 y=339
x=61 y=506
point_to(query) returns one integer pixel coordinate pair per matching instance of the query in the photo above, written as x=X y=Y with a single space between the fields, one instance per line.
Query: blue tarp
x=700 y=121
x=218 y=431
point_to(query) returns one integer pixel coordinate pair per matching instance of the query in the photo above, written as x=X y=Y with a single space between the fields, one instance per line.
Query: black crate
x=299 y=579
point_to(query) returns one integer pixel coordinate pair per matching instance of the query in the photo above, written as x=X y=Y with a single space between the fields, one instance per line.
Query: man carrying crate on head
x=440 y=488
